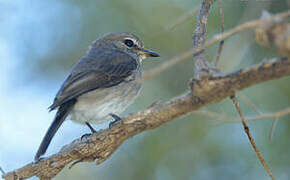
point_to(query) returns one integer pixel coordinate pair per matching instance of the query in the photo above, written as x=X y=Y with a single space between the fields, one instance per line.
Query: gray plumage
x=104 y=81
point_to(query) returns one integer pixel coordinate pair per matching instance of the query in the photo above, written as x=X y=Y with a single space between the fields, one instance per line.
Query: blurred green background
x=40 y=41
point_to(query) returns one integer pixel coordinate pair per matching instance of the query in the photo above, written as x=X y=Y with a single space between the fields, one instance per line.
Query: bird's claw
x=116 y=120
x=85 y=135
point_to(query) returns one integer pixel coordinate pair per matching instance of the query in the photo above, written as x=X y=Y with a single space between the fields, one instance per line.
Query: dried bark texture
x=207 y=90
x=202 y=67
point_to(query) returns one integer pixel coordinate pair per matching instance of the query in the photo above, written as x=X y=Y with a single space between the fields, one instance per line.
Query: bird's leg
x=91 y=128
x=116 y=119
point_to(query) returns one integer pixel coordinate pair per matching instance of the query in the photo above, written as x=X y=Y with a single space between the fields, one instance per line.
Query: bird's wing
x=111 y=71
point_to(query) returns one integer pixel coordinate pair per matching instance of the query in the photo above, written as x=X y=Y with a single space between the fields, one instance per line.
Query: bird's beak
x=148 y=53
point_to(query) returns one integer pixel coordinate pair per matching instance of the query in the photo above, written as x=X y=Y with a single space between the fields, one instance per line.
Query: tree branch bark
x=201 y=66
x=207 y=90
x=215 y=39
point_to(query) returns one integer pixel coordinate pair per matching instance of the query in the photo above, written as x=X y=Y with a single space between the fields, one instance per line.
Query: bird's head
x=125 y=42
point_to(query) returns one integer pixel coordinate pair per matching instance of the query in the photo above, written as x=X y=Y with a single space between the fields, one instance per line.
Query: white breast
x=95 y=106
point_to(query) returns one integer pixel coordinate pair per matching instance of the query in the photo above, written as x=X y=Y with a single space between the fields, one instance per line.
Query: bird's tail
x=60 y=116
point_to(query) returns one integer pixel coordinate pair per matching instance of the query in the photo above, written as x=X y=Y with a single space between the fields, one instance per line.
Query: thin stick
x=247 y=130
x=250 y=103
x=180 y=20
x=223 y=118
x=274 y=123
x=222 y=29
x=179 y=58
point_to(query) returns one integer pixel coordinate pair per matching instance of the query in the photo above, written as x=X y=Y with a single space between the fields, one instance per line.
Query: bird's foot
x=116 y=120
x=85 y=135
x=88 y=134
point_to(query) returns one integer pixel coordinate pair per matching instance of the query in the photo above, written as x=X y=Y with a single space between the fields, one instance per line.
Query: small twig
x=180 y=20
x=222 y=29
x=179 y=58
x=250 y=103
x=211 y=114
x=228 y=119
x=278 y=114
x=2 y=171
x=247 y=130
x=274 y=123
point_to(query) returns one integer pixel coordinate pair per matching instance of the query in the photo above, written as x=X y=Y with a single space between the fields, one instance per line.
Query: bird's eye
x=128 y=42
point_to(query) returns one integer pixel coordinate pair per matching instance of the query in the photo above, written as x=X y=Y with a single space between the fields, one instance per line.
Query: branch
x=201 y=66
x=274 y=123
x=250 y=137
x=222 y=30
x=223 y=118
x=100 y=146
x=215 y=39
x=247 y=101
x=180 y=20
x=228 y=119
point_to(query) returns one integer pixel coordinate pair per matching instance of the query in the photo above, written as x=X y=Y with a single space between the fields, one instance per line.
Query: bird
x=101 y=85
